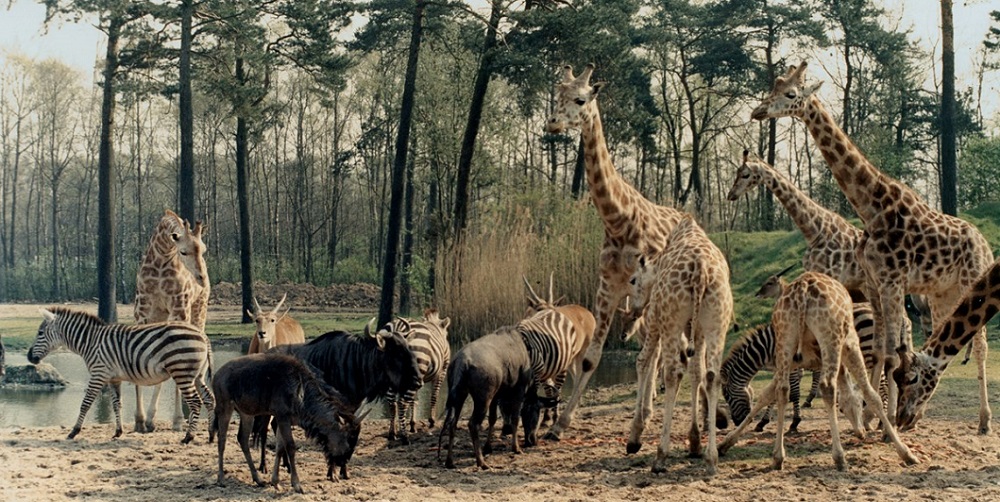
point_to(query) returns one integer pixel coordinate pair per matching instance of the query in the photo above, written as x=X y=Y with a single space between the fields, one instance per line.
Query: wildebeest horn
x=368 y=327
x=358 y=419
x=531 y=292
x=783 y=272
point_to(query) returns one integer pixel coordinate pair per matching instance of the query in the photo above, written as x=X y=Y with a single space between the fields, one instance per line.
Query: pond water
x=44 y=408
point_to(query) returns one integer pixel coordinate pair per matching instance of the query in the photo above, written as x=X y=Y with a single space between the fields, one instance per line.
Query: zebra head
x=49 y=336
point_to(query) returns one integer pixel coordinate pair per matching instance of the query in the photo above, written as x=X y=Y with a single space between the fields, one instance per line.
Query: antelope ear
x=47 y=314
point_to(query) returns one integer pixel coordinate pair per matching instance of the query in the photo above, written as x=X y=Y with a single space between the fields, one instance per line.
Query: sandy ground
x=588 y=464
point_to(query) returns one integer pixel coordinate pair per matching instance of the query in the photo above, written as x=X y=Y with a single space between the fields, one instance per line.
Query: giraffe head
x=639 y=285
x=190 y=250
x=788 y=97
x=917 y=377
x=574 y=98
x=774 y=285
x=747 y=176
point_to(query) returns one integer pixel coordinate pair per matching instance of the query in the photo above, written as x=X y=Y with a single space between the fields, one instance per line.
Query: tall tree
x=399 y=166
x=186 y=182
x=949 y=168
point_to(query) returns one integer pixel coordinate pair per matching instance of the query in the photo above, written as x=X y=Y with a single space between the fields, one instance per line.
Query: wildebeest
x=283 y=387
x=496 y=370
x=361 y=368
x=274 y=329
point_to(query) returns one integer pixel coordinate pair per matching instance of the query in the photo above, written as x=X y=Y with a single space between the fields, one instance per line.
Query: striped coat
x=428 y=339
x=146 y=354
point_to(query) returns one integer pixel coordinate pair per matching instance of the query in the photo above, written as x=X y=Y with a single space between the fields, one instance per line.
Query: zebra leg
x=402 y=404
x=194 y=404
x=434 y=396
x=795 y=380
x=412 y=408
x=140 y=413
x=93 y=390
x=765 y=419
x=243 y=437
x=116 y=405
x=813 y=391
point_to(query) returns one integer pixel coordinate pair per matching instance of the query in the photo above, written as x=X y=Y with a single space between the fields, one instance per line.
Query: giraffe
x=920 y=371
x=683 y=293
x=814 y=328
x=906 y=247
x=632 y=224
x=171 y=285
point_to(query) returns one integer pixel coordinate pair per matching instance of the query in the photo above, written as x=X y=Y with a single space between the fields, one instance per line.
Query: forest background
x=401 y=143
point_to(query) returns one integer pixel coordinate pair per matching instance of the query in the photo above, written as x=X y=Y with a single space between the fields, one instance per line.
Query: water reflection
x=44 y=408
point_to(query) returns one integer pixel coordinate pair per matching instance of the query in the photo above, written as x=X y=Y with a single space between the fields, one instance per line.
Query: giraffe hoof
x=631 y=448
x=150 y=427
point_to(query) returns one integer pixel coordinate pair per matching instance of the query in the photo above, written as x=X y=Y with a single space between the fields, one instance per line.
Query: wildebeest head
x=399 y=363
x=531 y=409
x=341 y=443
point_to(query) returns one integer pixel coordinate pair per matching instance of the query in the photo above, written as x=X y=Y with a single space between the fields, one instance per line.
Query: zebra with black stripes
x=557 y=338
x=755 y=352
x=428 y=340
x=145 y=354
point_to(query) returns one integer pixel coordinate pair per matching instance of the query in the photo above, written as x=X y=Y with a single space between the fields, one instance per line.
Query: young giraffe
x=907 y=247
x=632 y=224
x=684 y=296
x=814 y=328
x=171 y=285
x=919 y=373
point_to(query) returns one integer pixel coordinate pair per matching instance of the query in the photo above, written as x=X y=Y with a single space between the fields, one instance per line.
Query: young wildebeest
x=496 y=370
x=361 y=368
x=273 y=329
x=283 y=387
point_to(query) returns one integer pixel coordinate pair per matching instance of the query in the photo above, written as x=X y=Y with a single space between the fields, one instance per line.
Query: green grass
x=223 y=322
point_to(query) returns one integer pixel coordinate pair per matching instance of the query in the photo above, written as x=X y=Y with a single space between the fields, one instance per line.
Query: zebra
x=428 y=340
x=145 y=354
x=557 y=338
x=755 y=351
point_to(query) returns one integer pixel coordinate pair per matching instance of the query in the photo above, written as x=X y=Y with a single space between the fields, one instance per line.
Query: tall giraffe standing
x=919 y=373
x=632 y=224
x=906 y=245
x=171 y=285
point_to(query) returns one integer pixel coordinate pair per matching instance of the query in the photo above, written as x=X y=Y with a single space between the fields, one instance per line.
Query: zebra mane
x=744 y=340
x=77 y=314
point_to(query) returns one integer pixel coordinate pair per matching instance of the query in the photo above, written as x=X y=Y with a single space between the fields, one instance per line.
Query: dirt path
x=589 y=464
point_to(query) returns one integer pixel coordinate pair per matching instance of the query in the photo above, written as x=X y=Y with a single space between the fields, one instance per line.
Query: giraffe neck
x=607 y=188
x=980 y=303
x=805 y=212
x=857 y=177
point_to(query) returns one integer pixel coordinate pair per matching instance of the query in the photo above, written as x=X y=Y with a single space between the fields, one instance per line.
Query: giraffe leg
x=854 y=363
x=604 y=310
x=671 y=381
x=781 y=389
x=766 y=399
x=646 y=364
x=828 y=389
x=154 y=405
x=980 y=349
x=178 y=410
x=140 y=414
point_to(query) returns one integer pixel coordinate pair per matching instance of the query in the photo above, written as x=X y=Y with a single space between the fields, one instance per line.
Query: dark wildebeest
x=283 y=387
x=496 y=370
x=361 y=368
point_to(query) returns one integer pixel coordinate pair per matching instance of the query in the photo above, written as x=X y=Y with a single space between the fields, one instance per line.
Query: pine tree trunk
x=107 y=305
